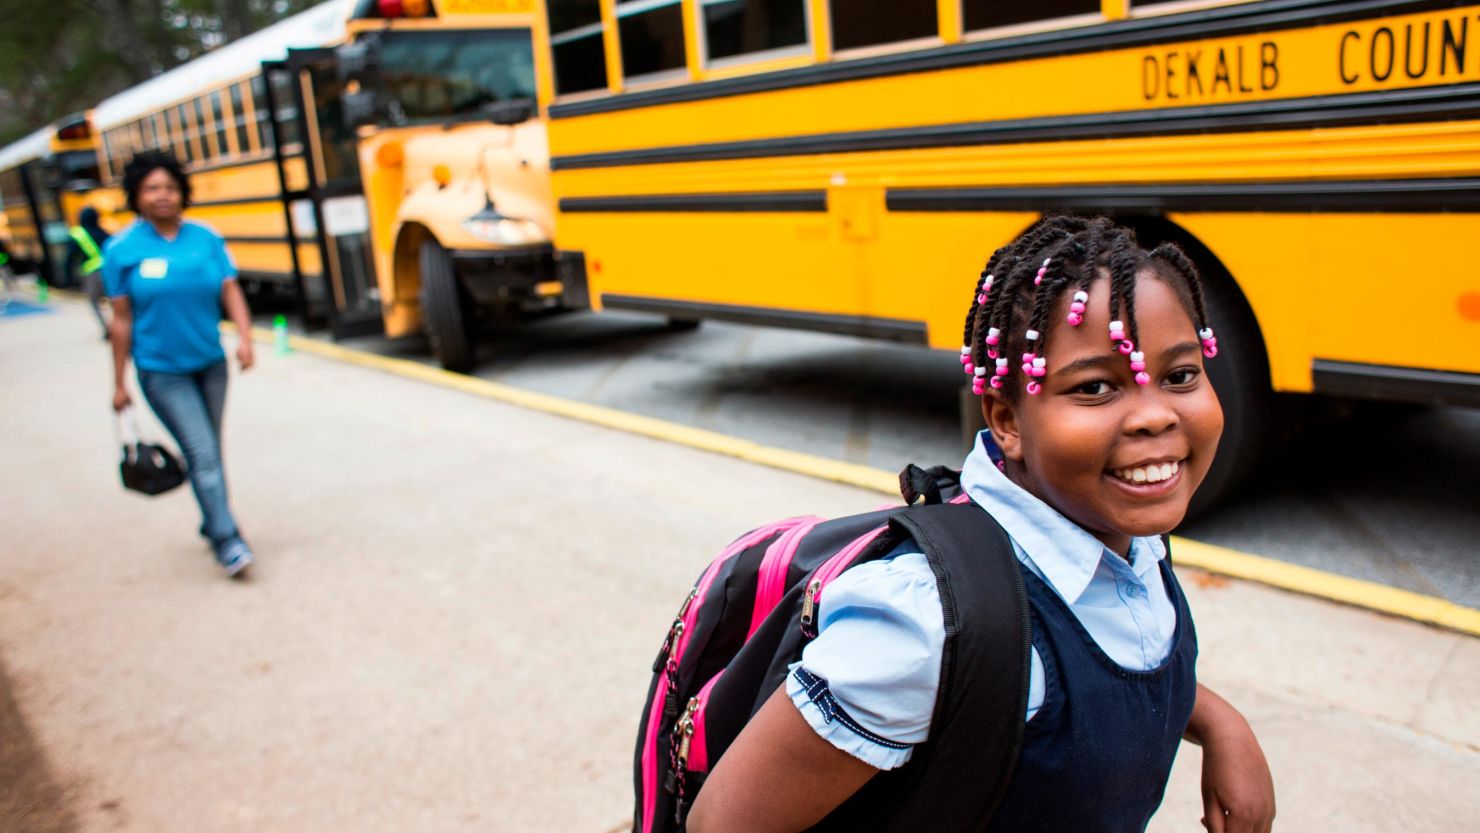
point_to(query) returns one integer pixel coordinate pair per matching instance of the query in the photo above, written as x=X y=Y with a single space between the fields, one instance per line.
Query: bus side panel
x=789 y=261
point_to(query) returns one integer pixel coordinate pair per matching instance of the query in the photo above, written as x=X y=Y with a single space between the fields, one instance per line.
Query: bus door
x=327 y=206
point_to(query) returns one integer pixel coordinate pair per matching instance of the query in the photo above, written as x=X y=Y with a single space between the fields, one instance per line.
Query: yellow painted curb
x=1209 y=557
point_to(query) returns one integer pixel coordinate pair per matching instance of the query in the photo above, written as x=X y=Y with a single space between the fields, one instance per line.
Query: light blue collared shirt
x=867 y=683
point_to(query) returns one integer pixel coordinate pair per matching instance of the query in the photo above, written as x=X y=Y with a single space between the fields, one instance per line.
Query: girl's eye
x=1182 y=376
x=1097 y=387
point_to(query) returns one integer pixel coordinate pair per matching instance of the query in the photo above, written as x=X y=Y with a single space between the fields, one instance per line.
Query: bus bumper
x=532 y=279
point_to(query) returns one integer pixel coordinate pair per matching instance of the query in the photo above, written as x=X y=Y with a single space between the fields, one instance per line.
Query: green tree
x=62 y=56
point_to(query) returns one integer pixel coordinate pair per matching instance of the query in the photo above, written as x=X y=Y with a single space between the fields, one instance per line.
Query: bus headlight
x=495 y=228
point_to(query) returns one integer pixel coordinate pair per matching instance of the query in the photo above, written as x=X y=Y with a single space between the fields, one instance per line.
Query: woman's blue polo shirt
x=174 y=287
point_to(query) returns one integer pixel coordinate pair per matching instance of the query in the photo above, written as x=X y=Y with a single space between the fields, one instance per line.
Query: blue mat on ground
x=16 y=309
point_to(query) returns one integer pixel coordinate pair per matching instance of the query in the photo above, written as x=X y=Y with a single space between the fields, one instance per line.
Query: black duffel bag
x=149 y=468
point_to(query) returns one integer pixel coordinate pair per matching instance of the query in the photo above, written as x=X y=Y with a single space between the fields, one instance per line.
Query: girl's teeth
x=1149 y=474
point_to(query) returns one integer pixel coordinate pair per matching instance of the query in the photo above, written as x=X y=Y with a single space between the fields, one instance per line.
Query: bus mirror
x=360 y=108
x=511 y=112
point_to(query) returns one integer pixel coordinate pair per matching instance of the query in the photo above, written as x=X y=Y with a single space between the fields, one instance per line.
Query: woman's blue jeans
x=190 y=406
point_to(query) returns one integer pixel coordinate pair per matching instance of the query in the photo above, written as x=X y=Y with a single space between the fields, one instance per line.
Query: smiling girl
x=1088 y=353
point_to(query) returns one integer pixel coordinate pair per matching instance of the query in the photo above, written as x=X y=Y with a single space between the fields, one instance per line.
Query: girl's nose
x=1151 y=415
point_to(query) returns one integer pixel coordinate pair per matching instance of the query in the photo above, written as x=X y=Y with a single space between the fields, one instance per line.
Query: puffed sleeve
x=867 y=683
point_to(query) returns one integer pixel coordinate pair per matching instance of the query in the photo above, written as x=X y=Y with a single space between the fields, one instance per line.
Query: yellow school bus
x=453 y=166
x=848 y=165
x=45 y=179
x=234 y=124
x=382 y=158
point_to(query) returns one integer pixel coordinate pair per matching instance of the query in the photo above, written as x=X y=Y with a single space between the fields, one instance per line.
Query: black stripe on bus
x=891 y=329
x=1228 y=21
x=779 y=201
x=1396 y=195
x=1453 y=102
x=272 y=198
x=1406 y=384
x=250 y=238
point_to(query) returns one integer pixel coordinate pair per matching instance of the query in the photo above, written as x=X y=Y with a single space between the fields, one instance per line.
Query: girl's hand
x=245 y=355
x=121 y=399
x=1237 y=789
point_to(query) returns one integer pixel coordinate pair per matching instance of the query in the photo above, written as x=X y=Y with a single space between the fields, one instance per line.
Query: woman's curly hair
x=146 y=162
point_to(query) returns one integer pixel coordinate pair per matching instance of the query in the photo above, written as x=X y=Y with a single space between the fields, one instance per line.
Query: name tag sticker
x=153 y=267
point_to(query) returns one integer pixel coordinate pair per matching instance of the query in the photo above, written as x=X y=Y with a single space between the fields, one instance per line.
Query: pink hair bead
x=1126 y=347
x=1210 y=350
x=1042 y=270
x=1143 y=378
x=991 y=353
x=1075 y=319
x=1034 y=388
x=992 y=335
x=979 y=387
x=1138 y=361
x=997 y=383
x=1002 y=367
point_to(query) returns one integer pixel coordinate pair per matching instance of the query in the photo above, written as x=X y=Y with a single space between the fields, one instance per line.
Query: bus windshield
x=77 y=169
x=437 y=75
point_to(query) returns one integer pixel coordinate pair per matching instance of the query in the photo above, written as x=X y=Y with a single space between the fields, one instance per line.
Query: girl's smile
x=1118 y=458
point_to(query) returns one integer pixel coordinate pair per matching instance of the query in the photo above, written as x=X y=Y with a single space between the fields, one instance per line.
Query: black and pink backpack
x=753 y=610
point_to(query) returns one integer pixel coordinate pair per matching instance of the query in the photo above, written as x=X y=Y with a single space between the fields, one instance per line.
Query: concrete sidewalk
x=454 y=609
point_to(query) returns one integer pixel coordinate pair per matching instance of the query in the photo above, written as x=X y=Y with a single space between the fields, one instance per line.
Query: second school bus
x=848 y=165
x=383 y=159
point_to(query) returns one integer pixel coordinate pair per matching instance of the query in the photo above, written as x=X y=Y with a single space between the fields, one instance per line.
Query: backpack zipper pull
x=809 y=605
x=685 y=728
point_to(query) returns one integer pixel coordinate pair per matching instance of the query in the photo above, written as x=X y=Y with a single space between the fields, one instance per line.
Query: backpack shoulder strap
x=964 y=768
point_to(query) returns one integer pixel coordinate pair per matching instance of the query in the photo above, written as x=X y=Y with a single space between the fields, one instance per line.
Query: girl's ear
x=1002 y=419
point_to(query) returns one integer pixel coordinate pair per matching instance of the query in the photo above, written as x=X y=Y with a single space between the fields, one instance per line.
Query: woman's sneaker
x=234 y=557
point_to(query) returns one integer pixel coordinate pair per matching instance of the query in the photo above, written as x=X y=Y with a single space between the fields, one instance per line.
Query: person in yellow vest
x=7 y=277
x=85 y=259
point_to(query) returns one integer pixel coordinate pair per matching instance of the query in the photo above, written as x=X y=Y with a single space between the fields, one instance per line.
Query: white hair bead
x=1040 y=362
x=981 y=371
x=1117 y=325
x=1138 y=356
x=1002 y=362
x=1031 y=335
x=1081 y=296
x=1205 y=333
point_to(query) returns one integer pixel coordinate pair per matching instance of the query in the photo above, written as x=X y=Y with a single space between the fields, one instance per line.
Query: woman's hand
x=244 y=353
x=1237 y=788
x=121 y=399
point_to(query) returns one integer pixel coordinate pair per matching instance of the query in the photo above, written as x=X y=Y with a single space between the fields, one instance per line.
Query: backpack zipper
x=831 y=569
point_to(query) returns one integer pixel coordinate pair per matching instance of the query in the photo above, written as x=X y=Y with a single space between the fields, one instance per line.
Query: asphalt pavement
x=1382 y=493
x=455 y=605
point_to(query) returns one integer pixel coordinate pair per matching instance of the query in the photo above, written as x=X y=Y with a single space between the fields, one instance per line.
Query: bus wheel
x=447 y=310
x=1240 y=375
x=682 y=325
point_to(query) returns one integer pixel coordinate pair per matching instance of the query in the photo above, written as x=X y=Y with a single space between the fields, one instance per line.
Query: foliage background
x=62 y=56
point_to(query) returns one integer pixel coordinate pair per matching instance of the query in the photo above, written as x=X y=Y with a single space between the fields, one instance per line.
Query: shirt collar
x=1065 y=555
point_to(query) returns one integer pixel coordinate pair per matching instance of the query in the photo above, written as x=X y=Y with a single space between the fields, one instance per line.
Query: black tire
x=683 y=325
x=446 y=310
x=1240 y=375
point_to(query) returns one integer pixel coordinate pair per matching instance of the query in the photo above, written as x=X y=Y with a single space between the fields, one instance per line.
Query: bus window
x=240 y=117
x=747 y=27
x=221 y=130
x=857 y=23
x=575 y=40
x=652 y=36
x=989 y=14
x=259 y=110
x=285 y=97
x=438 y=75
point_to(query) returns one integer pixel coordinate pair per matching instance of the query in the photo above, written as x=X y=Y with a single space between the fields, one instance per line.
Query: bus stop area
x=450 y=627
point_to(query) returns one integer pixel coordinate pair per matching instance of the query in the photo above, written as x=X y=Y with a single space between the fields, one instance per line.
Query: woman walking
x=168 y=280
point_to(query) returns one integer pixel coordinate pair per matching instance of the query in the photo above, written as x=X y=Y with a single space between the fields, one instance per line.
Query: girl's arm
x=121 y=337
x=778 y=776
x=236 y=309
x=1238 y=791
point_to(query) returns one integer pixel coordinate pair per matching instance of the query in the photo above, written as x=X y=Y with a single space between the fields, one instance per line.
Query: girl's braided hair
x=1023 y=281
